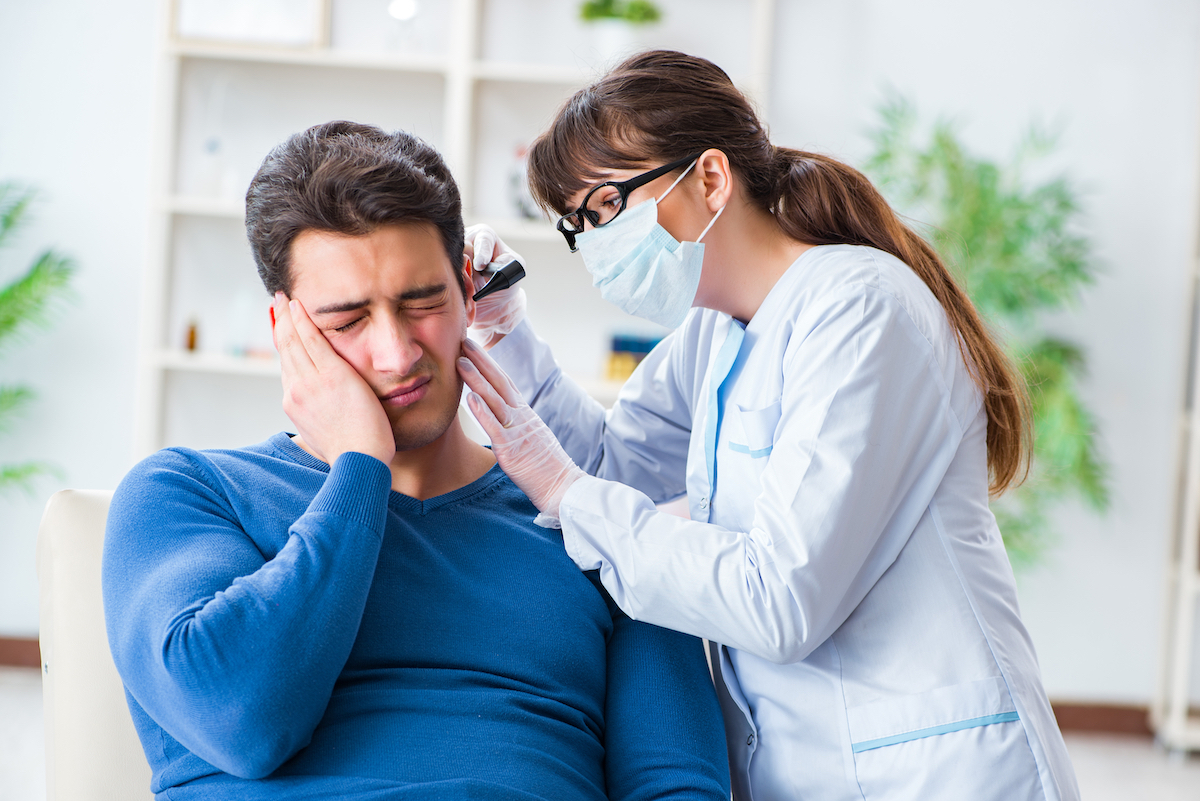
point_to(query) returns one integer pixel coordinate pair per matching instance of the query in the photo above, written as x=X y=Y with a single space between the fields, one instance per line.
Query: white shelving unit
x=223 y=104
x=1175 y=720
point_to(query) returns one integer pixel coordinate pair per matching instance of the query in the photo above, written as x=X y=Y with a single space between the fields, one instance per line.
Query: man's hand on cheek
x=333 y=408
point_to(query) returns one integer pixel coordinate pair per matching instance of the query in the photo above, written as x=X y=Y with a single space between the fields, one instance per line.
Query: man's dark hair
x=350 y=179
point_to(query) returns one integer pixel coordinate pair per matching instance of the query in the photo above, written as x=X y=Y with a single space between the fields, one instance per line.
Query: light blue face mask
x=642 y=269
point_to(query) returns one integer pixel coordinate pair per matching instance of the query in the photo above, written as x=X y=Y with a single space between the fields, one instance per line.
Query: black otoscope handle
x=503 y=278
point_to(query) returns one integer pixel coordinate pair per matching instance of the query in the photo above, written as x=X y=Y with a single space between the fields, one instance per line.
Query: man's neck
x=448 y=463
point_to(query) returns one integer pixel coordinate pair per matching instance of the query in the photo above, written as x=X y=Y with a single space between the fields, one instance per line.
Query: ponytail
x=821 y=201
x=661 y=104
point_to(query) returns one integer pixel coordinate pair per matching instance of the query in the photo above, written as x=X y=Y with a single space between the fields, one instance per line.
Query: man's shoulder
x=261 y=464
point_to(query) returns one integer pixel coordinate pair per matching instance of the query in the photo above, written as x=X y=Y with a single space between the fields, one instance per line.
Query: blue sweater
x=285 y=629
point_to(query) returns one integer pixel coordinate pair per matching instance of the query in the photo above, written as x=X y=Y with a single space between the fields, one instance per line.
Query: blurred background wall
x=1119 y=79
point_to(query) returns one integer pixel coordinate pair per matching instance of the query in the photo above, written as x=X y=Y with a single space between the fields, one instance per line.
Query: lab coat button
x=750 y=740
x=704 y=503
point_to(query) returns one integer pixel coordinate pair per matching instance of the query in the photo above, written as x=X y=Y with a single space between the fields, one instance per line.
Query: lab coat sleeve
x=865 y=436
x=643 y=440
x=233 y=654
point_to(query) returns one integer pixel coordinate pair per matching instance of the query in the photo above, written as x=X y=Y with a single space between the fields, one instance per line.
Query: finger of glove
x=487 y=421
x=483 y=241
x=500 y=311
x=493 y=374
x=500 y=410
x=479 y=281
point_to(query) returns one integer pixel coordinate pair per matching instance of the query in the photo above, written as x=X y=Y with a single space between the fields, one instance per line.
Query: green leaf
x=21 y=476
x=12 y=402
x=14 y=203
x=1015 y=245
x=24 y=302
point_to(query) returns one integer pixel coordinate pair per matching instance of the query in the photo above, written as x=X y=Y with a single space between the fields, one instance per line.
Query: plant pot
x=614 y=39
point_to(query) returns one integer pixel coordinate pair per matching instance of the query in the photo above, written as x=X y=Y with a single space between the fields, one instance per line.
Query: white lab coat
x=840 y=550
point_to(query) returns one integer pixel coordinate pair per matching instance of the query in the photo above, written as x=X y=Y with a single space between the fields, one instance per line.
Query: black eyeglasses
x=602 y=205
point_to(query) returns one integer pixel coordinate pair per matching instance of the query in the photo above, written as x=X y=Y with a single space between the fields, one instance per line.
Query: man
x=366 y=610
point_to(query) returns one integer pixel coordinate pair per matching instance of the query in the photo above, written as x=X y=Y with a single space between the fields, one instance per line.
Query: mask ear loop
x=710 y=223
x=682 y=175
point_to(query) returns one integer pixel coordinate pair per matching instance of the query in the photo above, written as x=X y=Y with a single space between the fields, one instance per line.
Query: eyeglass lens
x=608 y=200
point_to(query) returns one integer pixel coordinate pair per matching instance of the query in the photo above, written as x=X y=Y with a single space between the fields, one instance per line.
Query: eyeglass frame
x=624 y=188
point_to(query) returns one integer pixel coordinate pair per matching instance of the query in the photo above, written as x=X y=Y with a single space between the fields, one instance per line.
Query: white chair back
x=92 y=749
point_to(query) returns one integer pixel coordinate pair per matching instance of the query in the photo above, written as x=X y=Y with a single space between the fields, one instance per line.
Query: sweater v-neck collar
x=396 y=500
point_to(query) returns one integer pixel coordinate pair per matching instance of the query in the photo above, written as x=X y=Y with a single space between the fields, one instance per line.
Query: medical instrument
x=503 y=278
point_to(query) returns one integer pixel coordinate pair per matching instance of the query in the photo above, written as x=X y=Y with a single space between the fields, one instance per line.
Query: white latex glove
x=525 y=446
x=499 y=313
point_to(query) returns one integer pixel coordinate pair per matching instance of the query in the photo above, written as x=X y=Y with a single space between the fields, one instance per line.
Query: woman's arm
x=643 y=440
x=234 y=654
x=866 y=433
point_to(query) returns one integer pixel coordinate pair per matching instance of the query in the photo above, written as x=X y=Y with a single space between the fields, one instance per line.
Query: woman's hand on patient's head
x=333 y=408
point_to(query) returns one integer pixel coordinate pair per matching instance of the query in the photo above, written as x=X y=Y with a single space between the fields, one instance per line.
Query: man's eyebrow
x=417 y=293
x=423 y=292
x=334 y=308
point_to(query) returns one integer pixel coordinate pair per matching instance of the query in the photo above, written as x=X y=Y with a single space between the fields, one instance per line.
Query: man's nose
x=393 y=348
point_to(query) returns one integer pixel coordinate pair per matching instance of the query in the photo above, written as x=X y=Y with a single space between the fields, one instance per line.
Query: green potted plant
x=617 y=24
x=24 y=301
x=1016 y=246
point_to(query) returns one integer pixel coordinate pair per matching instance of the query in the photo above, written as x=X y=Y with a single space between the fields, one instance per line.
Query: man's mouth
x=407 y=394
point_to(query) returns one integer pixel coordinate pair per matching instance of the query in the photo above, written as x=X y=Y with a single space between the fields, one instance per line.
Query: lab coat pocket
x=752 y=432
x=961 y=741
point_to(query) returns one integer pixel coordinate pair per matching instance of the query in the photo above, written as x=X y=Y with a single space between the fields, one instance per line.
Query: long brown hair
x=659 y=105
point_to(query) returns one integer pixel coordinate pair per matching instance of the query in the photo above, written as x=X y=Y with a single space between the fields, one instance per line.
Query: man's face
x=390 y=304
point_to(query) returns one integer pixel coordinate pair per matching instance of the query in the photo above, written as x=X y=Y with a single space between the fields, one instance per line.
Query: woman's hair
x=661 y=105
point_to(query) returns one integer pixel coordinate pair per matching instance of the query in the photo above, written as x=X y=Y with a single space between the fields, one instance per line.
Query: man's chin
x=411 y=435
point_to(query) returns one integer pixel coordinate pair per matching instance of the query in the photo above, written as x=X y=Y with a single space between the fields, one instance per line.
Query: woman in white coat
x=837 y=416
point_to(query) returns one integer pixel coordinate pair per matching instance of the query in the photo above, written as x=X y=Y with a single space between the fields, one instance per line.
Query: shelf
x=312 y=57
x=226 y=364
x=218 y=363
x=455 y=83
x=550 y=74
x=519 y=230
x=513 y=228
x=229 y=208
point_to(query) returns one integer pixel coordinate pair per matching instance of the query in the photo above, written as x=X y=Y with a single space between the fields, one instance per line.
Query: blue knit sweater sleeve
x=230 y=639
x=664 y=737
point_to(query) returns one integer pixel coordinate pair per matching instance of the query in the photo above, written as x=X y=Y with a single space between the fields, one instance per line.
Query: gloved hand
x=525 y=446
x=499 y=313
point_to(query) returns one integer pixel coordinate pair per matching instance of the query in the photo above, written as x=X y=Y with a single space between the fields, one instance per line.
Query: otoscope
x=503 y=278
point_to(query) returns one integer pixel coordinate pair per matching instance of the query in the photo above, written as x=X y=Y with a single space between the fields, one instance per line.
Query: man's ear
x=468 y=284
